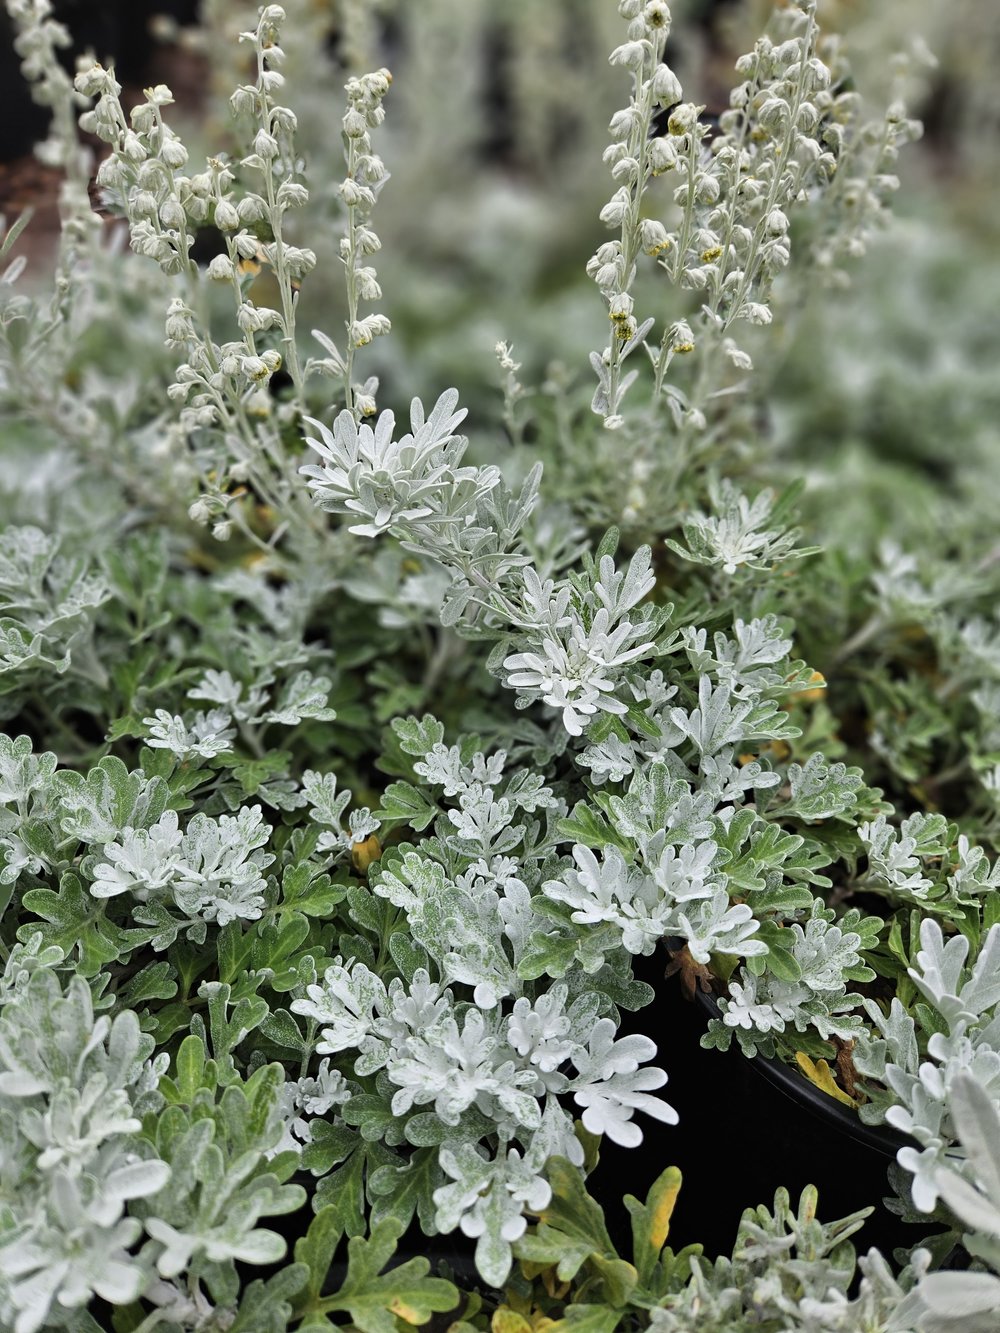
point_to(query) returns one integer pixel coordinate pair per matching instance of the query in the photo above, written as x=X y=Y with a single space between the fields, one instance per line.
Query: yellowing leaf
x=365 y=852
x=820 y=1073
x=506 y=1320
x=405 y=1312
x=661 y=1201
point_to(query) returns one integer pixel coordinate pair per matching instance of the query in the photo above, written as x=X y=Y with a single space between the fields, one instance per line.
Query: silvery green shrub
x=351 y=771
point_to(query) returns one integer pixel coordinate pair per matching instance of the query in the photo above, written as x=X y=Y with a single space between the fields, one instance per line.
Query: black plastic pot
x=746 y=1128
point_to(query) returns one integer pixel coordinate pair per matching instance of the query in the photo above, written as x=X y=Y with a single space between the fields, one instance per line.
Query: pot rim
x=880 y=1138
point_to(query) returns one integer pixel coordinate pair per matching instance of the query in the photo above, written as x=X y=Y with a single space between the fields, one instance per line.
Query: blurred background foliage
x=880 y=397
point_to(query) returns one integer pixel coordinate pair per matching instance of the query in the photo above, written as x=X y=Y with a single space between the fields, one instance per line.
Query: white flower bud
x=220 y=269
x=110 y=173
x=172 y=214
x=654 y=237
x=613 y=212
x=226 y=216
x=626 y=168
x=355 y=124
x=91 y=82
x=621 y=123
x=681 y=339
x=132 y=148
x=353 y=194
x=773 y=114
x=740 y=359
x=377 y=83
x=661 y=155
x=362 y=331
x=178 y=323
x=787 y=52
x=200 y=511
x=265 y=145
x=607 y=275
x=222 y=531
x=292 y=195
x=666 y=86
x=253 y=319
x=657 y=15
x=244 y=101
x=368 y=287
x=143 y=203
x=246 y=245
x=683 y=118
x=630 y=54
x=777 y=223
x=173 y=153
x=143 y=118
x=252 y=208
x=254 y=367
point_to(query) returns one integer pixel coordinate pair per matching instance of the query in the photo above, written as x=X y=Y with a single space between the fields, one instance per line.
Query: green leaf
x=331 y=1143
x=608 y=545
x=14 y=230
x=76 y=922
x=344 y=1188
x=228 y=1030
x=404 y=804
x=407 y=955
x=418 y=735
x=373 y=1299
x=779 y=959
x=583 y=824
x=402 y=1191
x=306 y=889
x=372 y=1116
x=547 y=955
x=252 y=774
x=274 y=947
x=618 y=1279
x=233 y=947
x=651 y=1221
x=155 y=982
x=97 y=807
x=587 y=1319
x=368 y=911
x=193 y=1071
x=266 y=1307
x=317 y=1247
x=281 y=1028
x=571 y=1228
